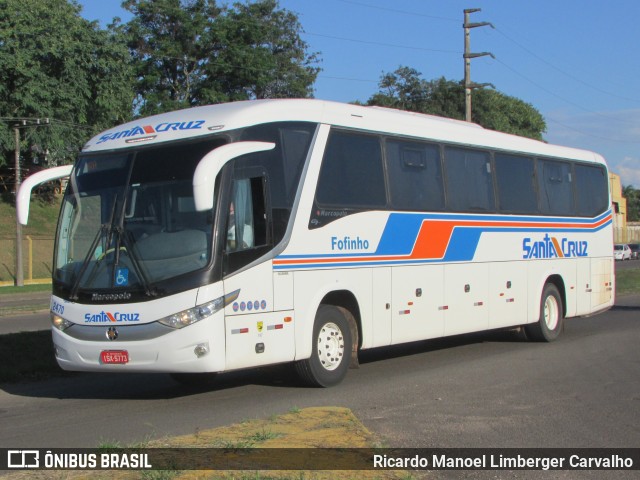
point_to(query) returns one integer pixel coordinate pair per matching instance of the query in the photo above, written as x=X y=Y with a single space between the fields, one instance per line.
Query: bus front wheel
x=331 y=350
x=550 y=324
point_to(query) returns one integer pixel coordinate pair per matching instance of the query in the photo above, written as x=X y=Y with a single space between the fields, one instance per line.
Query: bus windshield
x=128 y=219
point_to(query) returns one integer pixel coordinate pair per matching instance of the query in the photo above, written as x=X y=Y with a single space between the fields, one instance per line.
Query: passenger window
x=351 y=175
x=415 y=176
x=592 y=195
x=515 y=177
x=555 y=187
x=469 y=180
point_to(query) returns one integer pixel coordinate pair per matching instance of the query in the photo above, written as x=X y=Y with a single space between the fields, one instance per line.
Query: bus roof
x=200 y=121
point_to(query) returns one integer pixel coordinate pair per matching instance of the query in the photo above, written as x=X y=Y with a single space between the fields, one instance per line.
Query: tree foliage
x=260 y=55
x=172 y=54
x=193 y=53
x=633 y=203
x=55 y=64
x=406 y=90
x=169 y=40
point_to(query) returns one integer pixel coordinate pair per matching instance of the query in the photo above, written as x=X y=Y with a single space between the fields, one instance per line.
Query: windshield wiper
x=85 y=263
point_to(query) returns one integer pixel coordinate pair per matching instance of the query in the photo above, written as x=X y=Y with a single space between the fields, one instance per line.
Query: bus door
x=255 y=334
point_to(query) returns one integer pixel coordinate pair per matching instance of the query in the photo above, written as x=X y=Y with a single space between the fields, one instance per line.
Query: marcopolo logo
x=106 y=317
x=150 y=129
x=552 y=247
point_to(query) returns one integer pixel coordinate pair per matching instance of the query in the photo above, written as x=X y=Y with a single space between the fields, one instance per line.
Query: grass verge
x=628 y=281
x=316 y=427
x=40 y=287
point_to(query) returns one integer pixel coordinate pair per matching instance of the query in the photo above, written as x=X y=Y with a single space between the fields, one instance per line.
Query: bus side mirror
x=204 y=178
x=24 y=194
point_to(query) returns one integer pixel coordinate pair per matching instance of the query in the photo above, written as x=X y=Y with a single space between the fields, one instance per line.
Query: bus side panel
x=255 y=333
x=507 y=294
x=602 y=282
x=539 y=272
x=584 y=285
x=381 y=307
x=418 y=295
x=567 y=271
x=466 y=298
x=312 y=286
x=259 y=339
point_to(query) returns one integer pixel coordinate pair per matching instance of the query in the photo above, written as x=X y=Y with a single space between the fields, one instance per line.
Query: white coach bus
x=253 y=233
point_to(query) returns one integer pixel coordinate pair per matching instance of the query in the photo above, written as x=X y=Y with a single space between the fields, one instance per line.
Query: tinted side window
x=516 y=188
x=469 y=180
x=284 y=165
x=351 y=175
x=415 y=176
x=555 y=187
x=247 y=225
x=592 y=196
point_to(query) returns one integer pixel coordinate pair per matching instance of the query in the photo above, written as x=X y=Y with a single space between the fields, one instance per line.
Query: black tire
x=550 y=324
x=331 y=352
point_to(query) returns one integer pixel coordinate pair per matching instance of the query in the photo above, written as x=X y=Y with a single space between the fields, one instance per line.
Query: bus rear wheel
x=550 y=323
x=331 y=350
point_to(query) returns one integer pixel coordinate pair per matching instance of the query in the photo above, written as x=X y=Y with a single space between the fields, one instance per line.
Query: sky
x=576 y=61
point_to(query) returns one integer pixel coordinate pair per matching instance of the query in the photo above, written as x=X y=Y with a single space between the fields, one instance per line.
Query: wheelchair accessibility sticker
x=122 y=277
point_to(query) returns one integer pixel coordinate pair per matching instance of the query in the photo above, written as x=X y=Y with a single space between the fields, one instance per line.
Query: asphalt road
x=486 y=390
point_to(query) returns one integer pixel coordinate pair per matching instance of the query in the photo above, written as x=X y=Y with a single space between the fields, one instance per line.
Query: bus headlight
x=59 y=322
x=195 y=314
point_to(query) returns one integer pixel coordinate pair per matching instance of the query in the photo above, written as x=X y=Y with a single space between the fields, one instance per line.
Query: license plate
x=114 y=356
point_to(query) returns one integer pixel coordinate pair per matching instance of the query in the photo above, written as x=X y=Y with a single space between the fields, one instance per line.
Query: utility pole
x=468 y=85
x=21 y=123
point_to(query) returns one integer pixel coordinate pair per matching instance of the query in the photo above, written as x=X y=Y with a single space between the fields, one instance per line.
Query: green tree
x=504 y=113
x=406 y=90
x=170 y=40
x=402 y=89
x=55 y=64
x=192 y=52
x=633 y=202
x=261 y=55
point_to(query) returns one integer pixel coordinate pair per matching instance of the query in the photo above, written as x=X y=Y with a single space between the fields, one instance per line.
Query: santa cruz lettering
x=108 y=317
x=552 y=247
x=149 y=129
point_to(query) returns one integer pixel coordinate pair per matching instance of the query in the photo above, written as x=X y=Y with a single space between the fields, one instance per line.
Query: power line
x=591 y=135
x=529 y=51
x=348 y=79
x=403 y=12
x=571 y=76
x=382 y=44
x=607 y=117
